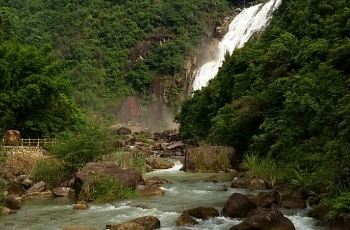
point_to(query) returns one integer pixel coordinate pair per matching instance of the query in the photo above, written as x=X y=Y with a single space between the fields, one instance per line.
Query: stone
x=185 y=220
x=61 y=191
x=238 y=206
x=14 y=188
x=128 y=177
x=37 y=195
x=81 y=206
x=38 y=187
x=211 y=158
x=142 y=223
x=7 y=211
x=155 y=181
x=176 y=145
x=12 y=203
x=293 y=200
x=249 y=183
x=158 y=163
x=75 y=227
x=265 y=219
x=266 y=199
x=202 y=213
x=12 y=138
x=149 y=190
x=123 y=131
x=27 y=183
x=342 y=222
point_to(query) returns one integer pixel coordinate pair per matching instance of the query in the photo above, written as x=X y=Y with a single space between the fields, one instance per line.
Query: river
x=184 y=190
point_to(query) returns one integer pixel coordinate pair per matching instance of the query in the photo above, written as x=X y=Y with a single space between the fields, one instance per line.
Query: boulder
x=342 y=222
x=61 y=191
x=123 y=131
x=293 y=200
x=176 y=145
x=37 y=195
x=238 y=206
x=7 y=211
x=14 y=188
x=202 y=213
x=12 y=138
x=266 y=199
x=265 y=220
x=27 y=183
x=149 y=190
x=75 y=227
x=158 y=163
x=155 y=181
x=185 y=220
x=209 y=158
x=38 y=187
x=128 y=177
x=81 y=206
x=142 y=223
x=250 y=183
x=12 y=203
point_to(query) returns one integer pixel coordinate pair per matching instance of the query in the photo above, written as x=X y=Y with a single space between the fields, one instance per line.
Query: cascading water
x=242 y=28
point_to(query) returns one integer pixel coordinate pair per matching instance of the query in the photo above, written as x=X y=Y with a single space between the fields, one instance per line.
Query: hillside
x=102 y=50
x=285 y=97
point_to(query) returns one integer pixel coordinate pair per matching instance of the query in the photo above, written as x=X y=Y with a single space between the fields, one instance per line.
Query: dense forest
x=61 y=59
x=285 y=97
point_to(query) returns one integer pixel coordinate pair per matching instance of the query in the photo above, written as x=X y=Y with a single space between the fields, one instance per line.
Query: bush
x=340 y=205
x=85 y=145
x=52 y=172
x=105 y=189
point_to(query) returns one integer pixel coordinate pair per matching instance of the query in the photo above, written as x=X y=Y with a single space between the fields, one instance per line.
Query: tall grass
x=341 y=204
x=135 y=160
x=264 y=168
x=104 y=189
x=51 y=171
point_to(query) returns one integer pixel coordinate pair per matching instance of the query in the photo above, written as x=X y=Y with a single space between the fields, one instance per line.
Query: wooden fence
x=38 y=142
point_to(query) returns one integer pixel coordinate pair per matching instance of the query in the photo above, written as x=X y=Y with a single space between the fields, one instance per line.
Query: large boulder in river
x=38 y=187
x=159 y=163
x=209 y=158
x=265 y=219
x=12 y=203
x=238 y=206
x=12 y=138
x=142 y=223
x=185 y=220
x=293 y=200
x=149 y=190
x=267 y=199
x=247 y=182
x=202 y=213
x=128 y=177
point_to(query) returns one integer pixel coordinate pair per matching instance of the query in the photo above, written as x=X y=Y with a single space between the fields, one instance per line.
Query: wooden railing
x=38 y=142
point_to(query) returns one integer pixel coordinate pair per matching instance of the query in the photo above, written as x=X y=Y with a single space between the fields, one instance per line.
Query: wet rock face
x=209 y=158
x=293 y=200
x=142 y=223
x=238 y=206
x=12 y=203
x=250 y=183
x=12 y=138
x=158 y=163
x=265 y=219
x=266 y=199
x=202 y=213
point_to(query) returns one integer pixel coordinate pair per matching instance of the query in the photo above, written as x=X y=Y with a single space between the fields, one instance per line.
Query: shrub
x=83 y=146
x=105 y=189
x=340 y=205
x=52 y=172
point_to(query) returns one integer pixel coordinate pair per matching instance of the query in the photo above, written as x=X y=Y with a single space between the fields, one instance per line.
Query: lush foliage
x=78 y=148
x=2 y=194
x=286 y=96
x=106 y=189
x=52 y=172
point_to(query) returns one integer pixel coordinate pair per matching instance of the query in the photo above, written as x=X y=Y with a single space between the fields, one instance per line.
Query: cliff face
x=174 y=89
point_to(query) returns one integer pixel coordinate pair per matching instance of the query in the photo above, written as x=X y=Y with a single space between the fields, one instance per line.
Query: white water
x=242 y=28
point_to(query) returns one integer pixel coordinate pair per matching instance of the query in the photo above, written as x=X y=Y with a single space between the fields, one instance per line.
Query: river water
x=184 y=190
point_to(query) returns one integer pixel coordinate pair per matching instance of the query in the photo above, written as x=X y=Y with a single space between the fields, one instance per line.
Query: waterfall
x=242 y=28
